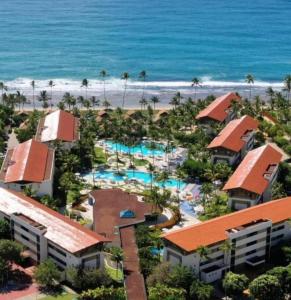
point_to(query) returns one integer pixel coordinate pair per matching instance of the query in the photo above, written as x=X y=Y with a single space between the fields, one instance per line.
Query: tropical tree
x=201 y=291
x=85 y=84
x=117 y=256
x=106 y=104
x=47 y=274
x=250 y=80
x=143 y=75
x=195 y=83
x=103 y=74
x=155 y=100
x=266 y=287
x=151 y=169
x=102 y=293
x=3 y=88
x=124 y=77
x=287 y=86
x=235 y=284
x=203 y=253
x=44 y=98
x=143 y=102
x=33 y=89
x=226 y=248
x=51 y=85
x=270 y=92
x=163 y=292
x=5 y=232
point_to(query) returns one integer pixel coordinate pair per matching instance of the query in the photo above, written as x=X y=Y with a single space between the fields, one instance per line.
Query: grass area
x=64 y=296
x=140 y=162
x=115 y=275
x=100 y=155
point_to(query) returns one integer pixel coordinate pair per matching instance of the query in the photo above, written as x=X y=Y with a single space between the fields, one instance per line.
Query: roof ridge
x=255 y=207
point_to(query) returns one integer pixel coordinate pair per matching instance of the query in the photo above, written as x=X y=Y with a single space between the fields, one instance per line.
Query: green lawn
x=117 y=276
x=140 y=162
x=60 y=297
x=100 y=155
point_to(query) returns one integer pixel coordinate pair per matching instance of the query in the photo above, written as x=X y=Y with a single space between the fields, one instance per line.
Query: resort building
x=30 y=164
x=46 y=233
x=218 y=111
x=243 y=238
x=234 y=141
x=58 y=126
x=252 y=181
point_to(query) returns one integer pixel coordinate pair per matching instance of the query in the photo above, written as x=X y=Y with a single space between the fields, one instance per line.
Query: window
x=57 y=250
x=57 y=259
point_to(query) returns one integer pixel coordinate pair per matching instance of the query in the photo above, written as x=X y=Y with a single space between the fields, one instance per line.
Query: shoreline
x=133 y=96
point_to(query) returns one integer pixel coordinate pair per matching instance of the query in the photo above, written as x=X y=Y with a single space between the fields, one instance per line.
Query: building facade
x=232 y=241
x=252 y=181
x=234 y=141
x=47 y=234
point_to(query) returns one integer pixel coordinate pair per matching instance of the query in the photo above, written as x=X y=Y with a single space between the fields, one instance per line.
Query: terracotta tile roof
x=58 y=125
x=30 y=161
x=249 y=175
x=217 y=110
x=108 y=205
x=61 y=230
x=214 y=231
x=231 y=137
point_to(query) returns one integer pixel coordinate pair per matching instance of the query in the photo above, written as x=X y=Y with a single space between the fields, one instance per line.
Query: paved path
x=134 y=281
x=12 y=141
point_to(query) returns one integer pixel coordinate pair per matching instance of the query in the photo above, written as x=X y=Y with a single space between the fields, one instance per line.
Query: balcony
x=255 y=261
x=212 y=273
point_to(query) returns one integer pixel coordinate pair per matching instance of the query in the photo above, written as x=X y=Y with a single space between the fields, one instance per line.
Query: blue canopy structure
x=127 y=214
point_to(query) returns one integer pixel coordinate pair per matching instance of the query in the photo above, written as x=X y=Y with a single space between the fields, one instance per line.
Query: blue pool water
x=143 y=149
x=139 y=175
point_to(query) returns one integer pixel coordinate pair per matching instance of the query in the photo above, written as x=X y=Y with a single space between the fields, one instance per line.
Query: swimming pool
x=144 y=177
x=142 y=148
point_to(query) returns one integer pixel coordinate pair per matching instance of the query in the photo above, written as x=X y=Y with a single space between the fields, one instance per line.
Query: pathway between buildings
x=134 y=281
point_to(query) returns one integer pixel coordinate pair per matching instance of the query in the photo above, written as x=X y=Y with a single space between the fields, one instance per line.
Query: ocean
x=173 y=40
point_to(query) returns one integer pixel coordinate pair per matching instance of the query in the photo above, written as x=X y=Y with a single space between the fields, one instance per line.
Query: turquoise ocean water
x=174 y=40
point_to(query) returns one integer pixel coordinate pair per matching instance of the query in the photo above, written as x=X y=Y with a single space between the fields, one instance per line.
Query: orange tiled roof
x=58 y=125
x=61 y=230
x=214 y=231
x=231 y=136
x=249 y=175
x=217 y=109
x=26 y=162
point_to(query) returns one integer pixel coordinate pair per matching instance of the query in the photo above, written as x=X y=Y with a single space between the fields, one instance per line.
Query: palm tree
x=270 y=92
x=196 y=83
x=43 y=97
x=94 y=101
x=106 y=104
x=258 y=104
x=226 y=248
x=33 y=88
x=125 y=77
x=163 y=177
x=250 y=80
x=117 y=256
x=155 y=100
x=143 y=102
x=85 y=84
x=287 y=86
x=51 y=85
x=203 y=253
x=103 y=74
x=151 y=169
x=206 y=190
x=3 y=88
x=143 y=75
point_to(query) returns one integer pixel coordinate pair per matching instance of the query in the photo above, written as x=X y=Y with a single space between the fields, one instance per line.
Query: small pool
x=144 y=177
x=142 y=148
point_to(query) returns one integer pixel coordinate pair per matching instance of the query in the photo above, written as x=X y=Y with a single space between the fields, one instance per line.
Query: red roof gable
x=214 y=231
x=249 y=175
x=231 y=136
x=217 y=110
x=28 y=162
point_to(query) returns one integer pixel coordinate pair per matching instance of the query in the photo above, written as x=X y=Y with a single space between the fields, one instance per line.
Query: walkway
x=134 y=281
